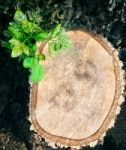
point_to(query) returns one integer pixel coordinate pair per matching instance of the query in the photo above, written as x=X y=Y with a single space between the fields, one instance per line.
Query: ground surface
x=106 y=17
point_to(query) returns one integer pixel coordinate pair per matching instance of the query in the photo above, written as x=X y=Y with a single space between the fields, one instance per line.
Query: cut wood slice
x=79 y=98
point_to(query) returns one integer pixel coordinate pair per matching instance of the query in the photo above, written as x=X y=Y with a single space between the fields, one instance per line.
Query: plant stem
x=42 y=46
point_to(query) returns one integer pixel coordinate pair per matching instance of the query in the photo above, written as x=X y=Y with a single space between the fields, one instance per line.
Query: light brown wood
x=76 y=102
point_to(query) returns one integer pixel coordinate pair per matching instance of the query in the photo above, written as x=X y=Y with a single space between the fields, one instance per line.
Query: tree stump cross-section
x=80 y=96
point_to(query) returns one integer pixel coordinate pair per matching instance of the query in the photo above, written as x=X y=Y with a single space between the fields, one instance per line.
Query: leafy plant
x=24 y=32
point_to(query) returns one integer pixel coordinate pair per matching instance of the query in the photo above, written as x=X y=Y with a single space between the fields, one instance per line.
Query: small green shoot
x=23 y=33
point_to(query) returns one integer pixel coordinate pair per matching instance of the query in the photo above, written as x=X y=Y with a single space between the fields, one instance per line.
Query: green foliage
x=24 y=32
x=34 y=15
x=29 y=62
x=18 y=48
x=38 y=73
x=29 y=27
x=19 y=16
x=41 y=36
x=56 y=31
x=41 y=57
x=59 y=42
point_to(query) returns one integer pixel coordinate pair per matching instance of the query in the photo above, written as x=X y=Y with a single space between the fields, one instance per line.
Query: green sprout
x=23 y=33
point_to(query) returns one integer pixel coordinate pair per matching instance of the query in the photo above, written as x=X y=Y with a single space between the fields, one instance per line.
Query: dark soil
x=105 y=17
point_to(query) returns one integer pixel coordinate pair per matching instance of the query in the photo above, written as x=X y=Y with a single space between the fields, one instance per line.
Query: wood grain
x=77 y=100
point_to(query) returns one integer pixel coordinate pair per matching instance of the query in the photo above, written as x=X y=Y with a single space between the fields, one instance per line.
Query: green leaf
x=25 y=49
x=35 y=15
x=56 y=31
x=66 y=44
x=28 y=62
x=41 y=36
x=37 y=73
x=62 y=41
x=58 y=46
x=14 y=42
x=34 y=48
x=30 y=27
x=19 y=16
x=16 y=52
x=13 y=27
x=18 y=27
x=27 y=27
x=15 y=32
x=41 y=57
x=18 y=46
x=52 y=51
